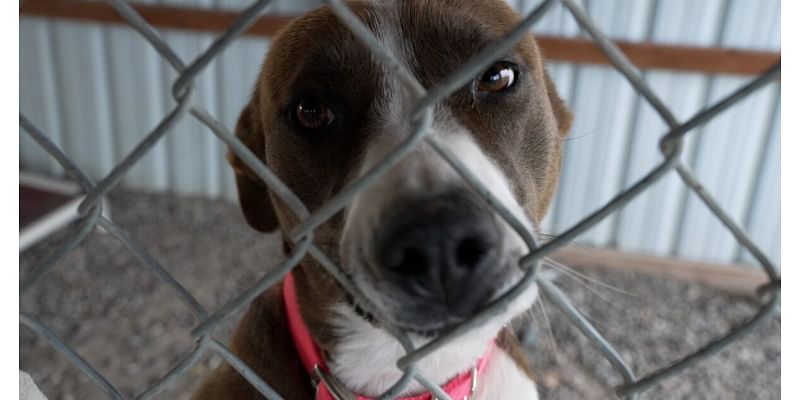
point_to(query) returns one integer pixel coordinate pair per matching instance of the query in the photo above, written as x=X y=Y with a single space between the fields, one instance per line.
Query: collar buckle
x=473 y=385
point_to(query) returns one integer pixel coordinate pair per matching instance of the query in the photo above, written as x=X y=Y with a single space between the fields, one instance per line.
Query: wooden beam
x=193 y=19
x=736 y=279
x=711 y=60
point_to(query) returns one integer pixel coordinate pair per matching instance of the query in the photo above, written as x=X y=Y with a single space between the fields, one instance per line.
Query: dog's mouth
x=423 y=317
x=408 y=329
x=405 y=324
x=358 y=310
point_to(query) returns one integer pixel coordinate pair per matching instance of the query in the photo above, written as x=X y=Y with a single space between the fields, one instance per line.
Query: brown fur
x=529 y=151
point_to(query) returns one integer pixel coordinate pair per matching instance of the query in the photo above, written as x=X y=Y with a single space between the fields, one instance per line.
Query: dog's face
x=419 y=243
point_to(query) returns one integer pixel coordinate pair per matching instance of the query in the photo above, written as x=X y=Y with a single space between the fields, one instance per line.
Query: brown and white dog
x=419 y=244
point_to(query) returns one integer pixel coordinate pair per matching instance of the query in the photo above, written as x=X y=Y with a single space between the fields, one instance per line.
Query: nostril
x=470 y=251
x=412 y=261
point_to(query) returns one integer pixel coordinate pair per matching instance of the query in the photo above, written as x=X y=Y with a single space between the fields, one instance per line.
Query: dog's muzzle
x=440 y=253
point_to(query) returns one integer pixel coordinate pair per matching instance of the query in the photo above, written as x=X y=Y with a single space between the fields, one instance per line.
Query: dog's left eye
x=500 y=76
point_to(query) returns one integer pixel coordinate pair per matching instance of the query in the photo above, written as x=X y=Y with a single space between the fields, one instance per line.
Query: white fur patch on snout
x=423 y=173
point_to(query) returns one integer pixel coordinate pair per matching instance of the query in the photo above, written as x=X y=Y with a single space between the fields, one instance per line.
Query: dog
x=422 y=246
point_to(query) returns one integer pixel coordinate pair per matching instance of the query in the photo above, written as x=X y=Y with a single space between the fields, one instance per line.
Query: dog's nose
x=441 y=248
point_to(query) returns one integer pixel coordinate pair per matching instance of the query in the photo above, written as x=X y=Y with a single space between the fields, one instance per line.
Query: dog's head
x=420 y=243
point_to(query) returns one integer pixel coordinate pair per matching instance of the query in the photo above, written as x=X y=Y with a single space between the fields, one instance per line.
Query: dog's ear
x=560 y=110
x=253 y=193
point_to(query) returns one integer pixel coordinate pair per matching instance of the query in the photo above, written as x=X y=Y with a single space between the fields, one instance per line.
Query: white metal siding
x=97 y=90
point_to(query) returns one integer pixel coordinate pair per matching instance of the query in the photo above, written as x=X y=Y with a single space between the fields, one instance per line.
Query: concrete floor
x=132 y=328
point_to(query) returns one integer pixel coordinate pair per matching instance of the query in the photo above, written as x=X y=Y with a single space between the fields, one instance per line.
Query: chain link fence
x=183 y=91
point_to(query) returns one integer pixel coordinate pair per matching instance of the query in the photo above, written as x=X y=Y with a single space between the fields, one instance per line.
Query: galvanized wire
x=302 y=236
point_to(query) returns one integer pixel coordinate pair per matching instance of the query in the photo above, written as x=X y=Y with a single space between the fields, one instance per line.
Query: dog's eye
x=312 y=113
x=499 y=77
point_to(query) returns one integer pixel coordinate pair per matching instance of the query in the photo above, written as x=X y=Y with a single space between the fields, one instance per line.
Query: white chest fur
x=504 y=380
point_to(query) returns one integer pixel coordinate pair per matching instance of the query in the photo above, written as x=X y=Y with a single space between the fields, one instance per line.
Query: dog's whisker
x=585 y=279
x=581 y=136
x=546 y=237
x=600 y=296
x=594 y=321
x=549 y=328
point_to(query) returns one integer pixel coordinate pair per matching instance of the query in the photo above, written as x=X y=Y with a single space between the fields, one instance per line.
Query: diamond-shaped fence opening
x=302 y=236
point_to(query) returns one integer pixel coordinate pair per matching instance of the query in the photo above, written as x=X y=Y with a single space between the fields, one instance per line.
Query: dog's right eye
x=500 y=76
x=311 y=113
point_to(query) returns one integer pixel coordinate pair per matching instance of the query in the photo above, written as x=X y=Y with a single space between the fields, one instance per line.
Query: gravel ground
x=132 y=328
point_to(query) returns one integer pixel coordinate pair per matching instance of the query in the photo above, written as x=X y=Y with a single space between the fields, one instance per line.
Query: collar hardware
x=336 y=389
x=473 y=385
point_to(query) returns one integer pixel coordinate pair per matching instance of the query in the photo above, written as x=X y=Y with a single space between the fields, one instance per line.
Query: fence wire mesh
x=302 y=236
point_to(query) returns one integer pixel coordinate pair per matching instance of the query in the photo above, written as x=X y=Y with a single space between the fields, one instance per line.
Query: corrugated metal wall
x=97 y=90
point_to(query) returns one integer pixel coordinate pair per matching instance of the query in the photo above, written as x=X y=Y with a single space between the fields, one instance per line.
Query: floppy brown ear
x=560 y=110
x=253 y=193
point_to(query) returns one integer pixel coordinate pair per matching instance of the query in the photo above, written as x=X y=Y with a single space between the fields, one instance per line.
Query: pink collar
x=460 y=387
